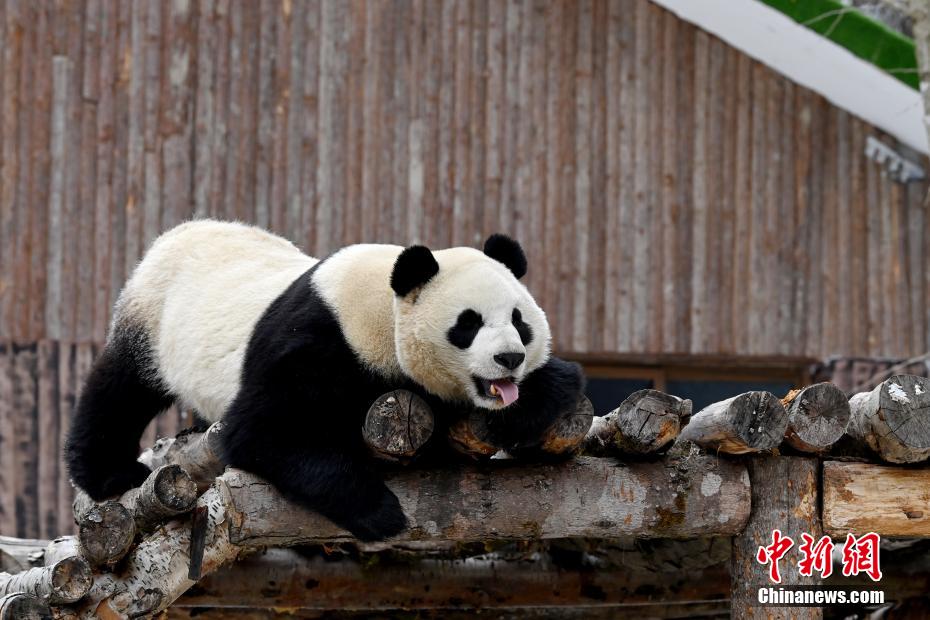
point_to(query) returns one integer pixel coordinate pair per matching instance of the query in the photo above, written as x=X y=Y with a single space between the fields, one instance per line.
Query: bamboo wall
x=673 y=195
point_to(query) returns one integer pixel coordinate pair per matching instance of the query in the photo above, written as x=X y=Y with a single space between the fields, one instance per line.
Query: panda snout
x=510 y=361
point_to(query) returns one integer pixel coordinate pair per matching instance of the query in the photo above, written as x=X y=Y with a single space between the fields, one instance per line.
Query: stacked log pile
x=136 y=554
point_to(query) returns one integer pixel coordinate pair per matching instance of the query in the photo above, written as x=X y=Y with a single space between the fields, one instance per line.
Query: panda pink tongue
x=507 y=390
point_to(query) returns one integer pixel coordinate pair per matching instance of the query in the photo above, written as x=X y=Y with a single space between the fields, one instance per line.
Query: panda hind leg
x=115 y=406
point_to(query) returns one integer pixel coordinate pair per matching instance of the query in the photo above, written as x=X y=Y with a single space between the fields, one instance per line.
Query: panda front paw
x=114 y=483
x=385 y=520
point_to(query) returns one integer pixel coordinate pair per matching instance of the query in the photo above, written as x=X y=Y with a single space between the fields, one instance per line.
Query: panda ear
x=415 y=267
x=505 y=250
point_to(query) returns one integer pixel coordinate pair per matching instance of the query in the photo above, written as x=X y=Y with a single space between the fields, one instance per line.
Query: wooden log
x=470 y=435
x=279 y=578
x=587 y=497
x=647 y=422
x=784 y=497
x=817 y=417
x=105 y=532
x=893 y=420
x=196 y=453
x=168 y=491
x=21 y=606
x=61 y=548
x=18 y=554
x=750 y=422
x=65 y=581
x=568 y=434
x=861 y=498
x=397 y=425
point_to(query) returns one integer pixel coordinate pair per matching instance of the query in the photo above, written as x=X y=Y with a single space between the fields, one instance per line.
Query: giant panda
x=290 y=351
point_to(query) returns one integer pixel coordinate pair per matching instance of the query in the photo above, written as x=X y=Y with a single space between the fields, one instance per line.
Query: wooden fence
x=674 y=195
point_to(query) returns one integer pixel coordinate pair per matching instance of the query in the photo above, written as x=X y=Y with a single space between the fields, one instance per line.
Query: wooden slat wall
x=674 y=196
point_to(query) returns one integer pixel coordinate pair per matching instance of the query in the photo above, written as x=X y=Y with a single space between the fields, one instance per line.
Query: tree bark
x=860 y=498
x=66 y=581
x=196 y=453
x=784 y=497
x=647 y=422
x=588 y=497
x=893 y=420
x=750 y=422
x=817 y=417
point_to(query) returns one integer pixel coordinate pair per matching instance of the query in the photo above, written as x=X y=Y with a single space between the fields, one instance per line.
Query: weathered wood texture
x=281 y=578
x=645 y=423
x=861 y=498
x=750 y=422
x=638 y=159
x=680 y=498
x=817 y=417
x=894 y=419
x=784 y=497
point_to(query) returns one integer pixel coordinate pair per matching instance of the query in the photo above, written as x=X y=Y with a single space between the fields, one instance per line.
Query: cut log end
x=648 y=421
x=397 y=425
x=893 y=420
x=70 y=580
x=817 y=417
x=567 y=435
x=469 y=435
x=174 y=489
x=21 y=606
x=106 y=533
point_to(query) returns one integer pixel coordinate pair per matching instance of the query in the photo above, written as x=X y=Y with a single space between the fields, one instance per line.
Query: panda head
x=465 y=328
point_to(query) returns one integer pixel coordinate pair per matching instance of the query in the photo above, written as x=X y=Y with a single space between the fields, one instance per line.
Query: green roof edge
x=846 y=26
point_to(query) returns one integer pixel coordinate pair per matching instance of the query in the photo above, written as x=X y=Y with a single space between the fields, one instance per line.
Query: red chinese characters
x=860 y=555
x=771 y=554
x=817 y=556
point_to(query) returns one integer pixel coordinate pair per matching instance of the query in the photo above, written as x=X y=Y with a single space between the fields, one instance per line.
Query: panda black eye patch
x=466 y=327
x=526 y=334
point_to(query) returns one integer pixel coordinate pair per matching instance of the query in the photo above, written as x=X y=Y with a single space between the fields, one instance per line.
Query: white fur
x=203 y=286
x=198 y=292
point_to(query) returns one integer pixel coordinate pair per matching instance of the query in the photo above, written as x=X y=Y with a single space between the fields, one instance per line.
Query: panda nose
x=509 y=360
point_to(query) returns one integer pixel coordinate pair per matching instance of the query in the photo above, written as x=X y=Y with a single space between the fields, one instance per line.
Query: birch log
x=397 y=425
x=168 y=491
x=20 y=606
x=817 y=417
x=645 y=423
x=587 y=497
x=199 y=454
x=61 y=548
x=65 y=581
x=893 y=420
x=750 y=422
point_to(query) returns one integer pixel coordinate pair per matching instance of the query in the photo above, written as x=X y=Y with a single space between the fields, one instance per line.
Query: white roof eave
x=813 y=61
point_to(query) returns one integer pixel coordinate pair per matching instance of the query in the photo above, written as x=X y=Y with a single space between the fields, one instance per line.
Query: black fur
x=523 y=328
x=466 y=327
x=546 y=394
x=298 y=415
x=415 y=267
x=119 y=399
x=505 y=250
